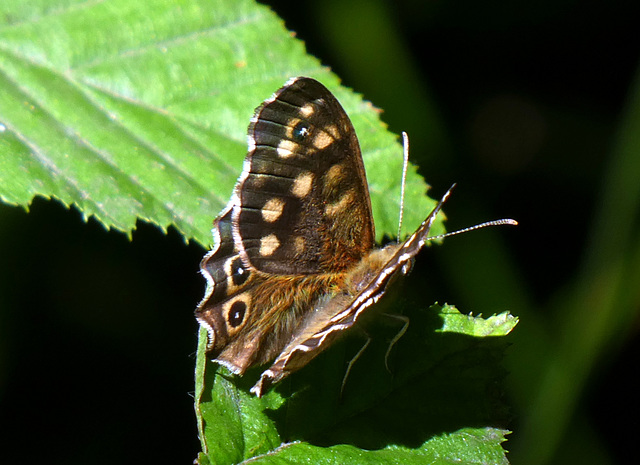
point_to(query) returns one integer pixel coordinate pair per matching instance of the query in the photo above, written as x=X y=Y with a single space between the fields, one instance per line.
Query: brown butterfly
x=294 y=264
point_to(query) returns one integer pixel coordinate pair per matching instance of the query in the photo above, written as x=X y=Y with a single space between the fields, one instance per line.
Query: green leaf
x=467 y=446
x=496 y=325
x=439 y=405
x=139 y=109
x=134 y=110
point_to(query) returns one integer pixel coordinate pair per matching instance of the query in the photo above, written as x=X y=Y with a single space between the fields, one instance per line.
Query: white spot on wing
x=286 y=148
x=268 y=245
x=307 y=110
x=322 y=140
x=272 y=210
x=298 y=244
x=332 y=129
x=302 y=185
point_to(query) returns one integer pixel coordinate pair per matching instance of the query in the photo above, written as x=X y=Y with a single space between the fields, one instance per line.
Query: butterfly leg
x=396 y=338
x=352 y=361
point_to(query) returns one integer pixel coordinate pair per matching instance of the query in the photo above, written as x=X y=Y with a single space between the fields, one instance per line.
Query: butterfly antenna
x=477 y=226
x=405 y=163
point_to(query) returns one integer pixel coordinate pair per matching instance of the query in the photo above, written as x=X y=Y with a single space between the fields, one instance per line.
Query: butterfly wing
x=300 y=215
x=302 y=203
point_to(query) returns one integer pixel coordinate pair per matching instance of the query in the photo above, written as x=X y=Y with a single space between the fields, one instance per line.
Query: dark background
x=525 y=105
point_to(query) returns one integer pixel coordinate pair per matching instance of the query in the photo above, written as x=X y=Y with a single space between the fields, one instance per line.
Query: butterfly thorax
x=367 y=269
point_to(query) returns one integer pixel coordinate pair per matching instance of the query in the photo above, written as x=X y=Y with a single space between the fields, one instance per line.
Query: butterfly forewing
x=303 y=199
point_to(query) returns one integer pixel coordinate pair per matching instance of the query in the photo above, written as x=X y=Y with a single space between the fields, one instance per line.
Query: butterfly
x=293 y=264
